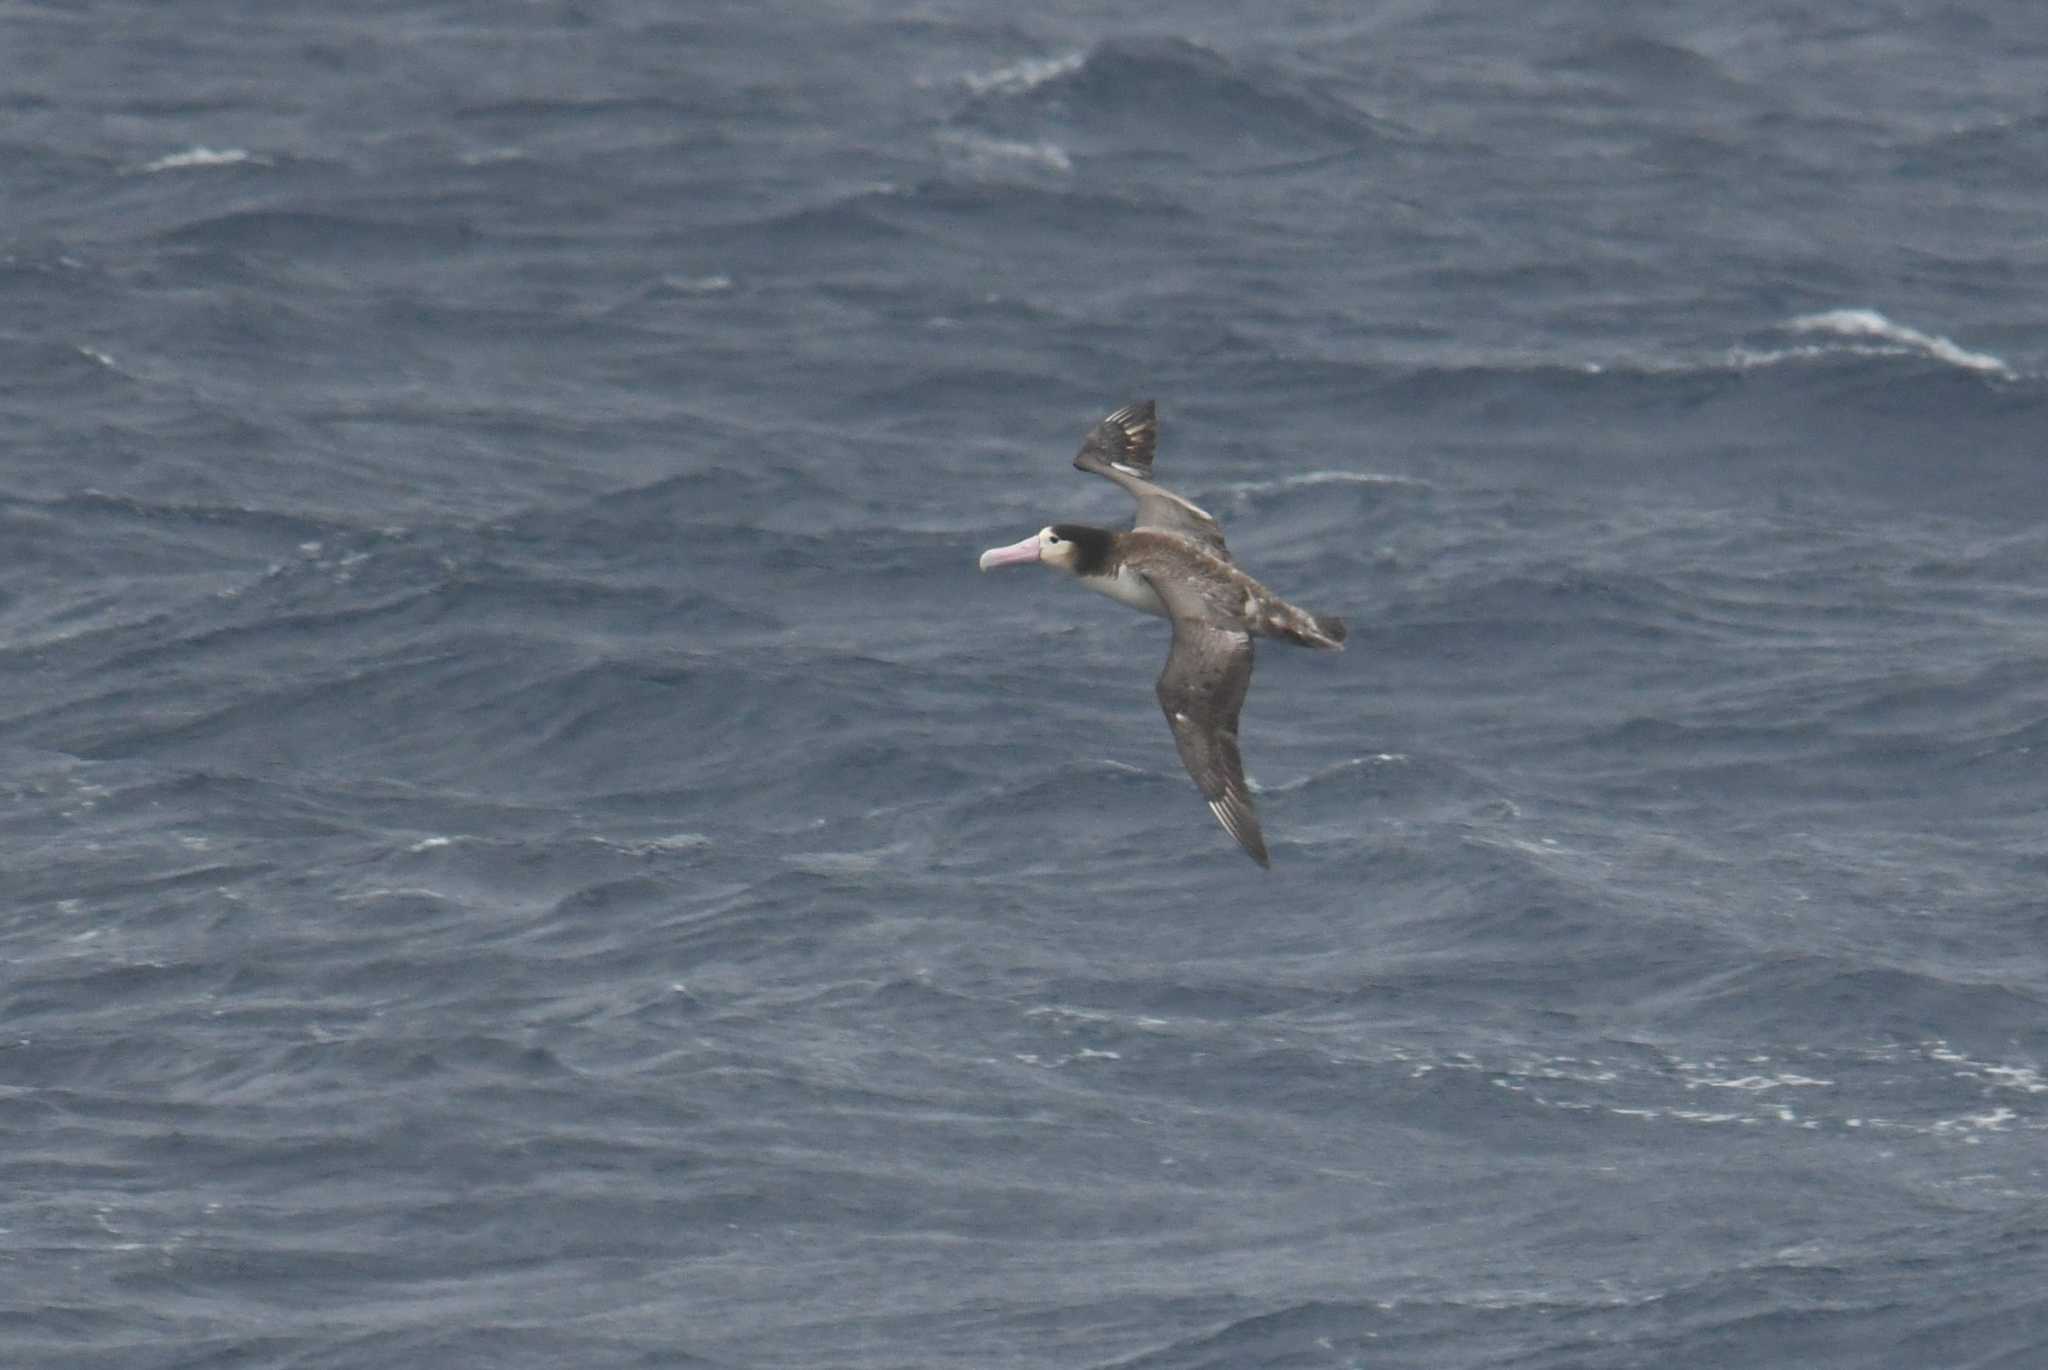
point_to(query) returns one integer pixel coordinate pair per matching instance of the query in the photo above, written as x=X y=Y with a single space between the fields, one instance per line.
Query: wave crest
x=1866 y=332
x=1153 y=94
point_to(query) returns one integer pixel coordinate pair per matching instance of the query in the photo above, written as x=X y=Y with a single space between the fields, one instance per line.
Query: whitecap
x=2022 y=1079
x=201 y=157
x=1310 y=478
x=1896 y=338
x=1993 y=1120
x=984 y=153
x=844 y=864
x=697 y=285
x=1759 y=1083
x=1351 y=763
x=656 y=846
x=1020 y=77
x=371 y=893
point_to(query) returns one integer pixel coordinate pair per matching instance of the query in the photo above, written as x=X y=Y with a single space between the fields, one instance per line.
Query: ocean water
x=525 y=840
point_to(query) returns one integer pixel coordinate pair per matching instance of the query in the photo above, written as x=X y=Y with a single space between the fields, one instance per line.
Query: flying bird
x=1172 y=562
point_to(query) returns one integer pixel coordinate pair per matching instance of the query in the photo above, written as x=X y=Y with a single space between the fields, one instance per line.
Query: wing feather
x=1120 y=448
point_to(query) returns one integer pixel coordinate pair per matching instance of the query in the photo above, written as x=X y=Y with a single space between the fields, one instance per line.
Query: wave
x=1842 y=337
x=1639 y=61
x=977 y=206
x=983 y=154
x=315 y=231
x=1020 y=78
x=1307 y=479
x=1989 y=154
x=1849 y=333
x=201 y=157
x=1866 y=332
x=1153 y=94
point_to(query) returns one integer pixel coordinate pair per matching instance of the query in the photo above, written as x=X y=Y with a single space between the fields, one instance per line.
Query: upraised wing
x=1208 y=670
x=1120 y=448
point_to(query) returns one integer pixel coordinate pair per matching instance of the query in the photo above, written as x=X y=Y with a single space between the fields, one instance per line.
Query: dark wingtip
x=1126 y=438
x=1234 y=812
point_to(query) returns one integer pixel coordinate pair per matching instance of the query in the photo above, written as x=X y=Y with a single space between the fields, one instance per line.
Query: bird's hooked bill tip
x=1016 y=554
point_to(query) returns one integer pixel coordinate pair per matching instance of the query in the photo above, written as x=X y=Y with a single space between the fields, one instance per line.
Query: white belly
x=1128 y=587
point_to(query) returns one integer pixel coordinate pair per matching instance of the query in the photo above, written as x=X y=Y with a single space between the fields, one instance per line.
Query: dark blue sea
x=526 y=842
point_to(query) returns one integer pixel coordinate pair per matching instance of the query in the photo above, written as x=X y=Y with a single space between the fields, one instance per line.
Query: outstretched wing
x=1120 y=448
x=1126 y=440
x=1208 y=670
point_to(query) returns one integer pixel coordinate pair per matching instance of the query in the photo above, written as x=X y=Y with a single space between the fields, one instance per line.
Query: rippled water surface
x=525 y=841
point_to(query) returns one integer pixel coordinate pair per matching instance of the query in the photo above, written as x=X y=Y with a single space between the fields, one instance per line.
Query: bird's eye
x=1052 y=538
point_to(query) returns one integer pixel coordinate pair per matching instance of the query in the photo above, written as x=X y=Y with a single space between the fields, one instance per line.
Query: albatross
x=1172 y=562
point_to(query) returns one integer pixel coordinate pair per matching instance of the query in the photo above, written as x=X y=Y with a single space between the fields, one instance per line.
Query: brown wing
x=1208 y=671
x=1120 y=448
